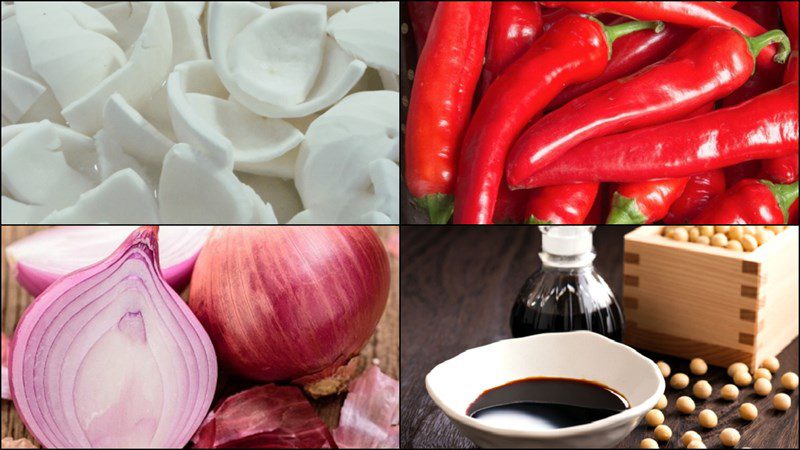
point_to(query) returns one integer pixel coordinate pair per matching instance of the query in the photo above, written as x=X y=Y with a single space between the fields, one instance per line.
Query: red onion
x=110 y=356
x=371 y=413
x=5 y=392
x=40 y=259
x=290 y=303
x=264 y=417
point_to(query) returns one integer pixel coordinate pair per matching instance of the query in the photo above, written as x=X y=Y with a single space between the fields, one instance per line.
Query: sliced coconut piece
x=254 y=139
x=195 y=9
x=376 y=217
x=370 y=33
x=19 y=93
x=195 y=188
x=391 y=81
x=224 y=128
x=133 y=133
x=137 y=81
x=333 y=167
x=385 y=177
x=333 y=7
x=262 y=212
x=281 y=194
x=78 y=150
x=128 y=18
x=339 y=71
x=277 y=57
x=34 y=172
x=111 y=158
x=121 y=199
x=187 y=34
x=67 y=47
x=16 y=213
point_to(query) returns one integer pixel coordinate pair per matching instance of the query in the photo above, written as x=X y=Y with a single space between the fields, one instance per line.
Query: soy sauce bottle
x=567 y=294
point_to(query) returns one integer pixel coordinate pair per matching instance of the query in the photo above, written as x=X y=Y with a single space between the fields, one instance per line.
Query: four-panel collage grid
x=419 y=224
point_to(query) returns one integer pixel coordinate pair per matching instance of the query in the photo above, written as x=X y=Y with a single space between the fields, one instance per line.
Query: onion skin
x=290 y=303
x=110 y=356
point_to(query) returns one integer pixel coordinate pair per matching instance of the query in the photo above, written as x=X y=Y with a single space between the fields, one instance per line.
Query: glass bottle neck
x=581 y=260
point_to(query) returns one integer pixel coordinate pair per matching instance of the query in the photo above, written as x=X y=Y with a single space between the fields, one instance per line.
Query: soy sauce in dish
x=544 y=403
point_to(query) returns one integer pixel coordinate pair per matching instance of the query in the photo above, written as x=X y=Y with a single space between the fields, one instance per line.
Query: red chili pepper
x=552 y=15
x=710 y=65
x=421 y=16
x=793 y=214
x=750 y=202
x=780 y=170
x=645 y=202
x=728 y=4
x=575 y=50
x=510 y=205
x=764 y=13
x=514 y=27
x=764 y=127
x=765 y=78
x=630 y=54
x=599 y=208
x=701 y=189
x=784 y=169
x=791 y=69
x=690 y=14
x=743 y=170
x=566 y=203
x=441 y=102
x=789 y=13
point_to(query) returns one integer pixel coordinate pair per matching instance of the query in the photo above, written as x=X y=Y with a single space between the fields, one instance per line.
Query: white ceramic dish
x=455 y=383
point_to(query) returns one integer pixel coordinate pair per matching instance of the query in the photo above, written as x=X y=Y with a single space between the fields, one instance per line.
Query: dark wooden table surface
x=458 y=284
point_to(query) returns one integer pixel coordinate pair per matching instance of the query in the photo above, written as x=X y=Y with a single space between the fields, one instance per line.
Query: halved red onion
x=290 y=303
x=267 y=416
x=370 y=416
x=40 y=259
x=110 y=356
x=5 y=392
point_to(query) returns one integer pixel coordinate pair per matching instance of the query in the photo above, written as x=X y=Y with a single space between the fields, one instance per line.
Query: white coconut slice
x=236 y=58
x=67 y=46
x=370 y=33
x=222 y=128
x=111 y=158
x=141 y=76
x=17 y=213
x=195 y=188
x=333 y=7
x=19 y=94
x=279 y=193
x=263 y=57
x=333 y=167
x=385 y=177
x=391 y=81
x=134 y=133
x=36 y=173
x=123 y=198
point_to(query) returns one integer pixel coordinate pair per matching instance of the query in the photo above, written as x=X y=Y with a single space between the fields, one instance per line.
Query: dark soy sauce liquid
x=543 y=403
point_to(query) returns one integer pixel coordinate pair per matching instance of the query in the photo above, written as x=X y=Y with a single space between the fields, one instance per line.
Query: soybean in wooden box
x=694 y=300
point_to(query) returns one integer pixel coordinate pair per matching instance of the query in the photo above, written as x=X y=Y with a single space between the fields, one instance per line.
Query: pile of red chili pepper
x=604 y=112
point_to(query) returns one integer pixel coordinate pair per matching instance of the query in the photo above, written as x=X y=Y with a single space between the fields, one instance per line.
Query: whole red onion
x=290 y=303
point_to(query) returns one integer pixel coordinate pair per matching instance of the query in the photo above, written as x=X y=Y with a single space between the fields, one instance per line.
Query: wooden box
x=693 y=300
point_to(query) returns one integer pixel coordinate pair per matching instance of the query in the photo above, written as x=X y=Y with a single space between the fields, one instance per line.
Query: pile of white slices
x=200 y=112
